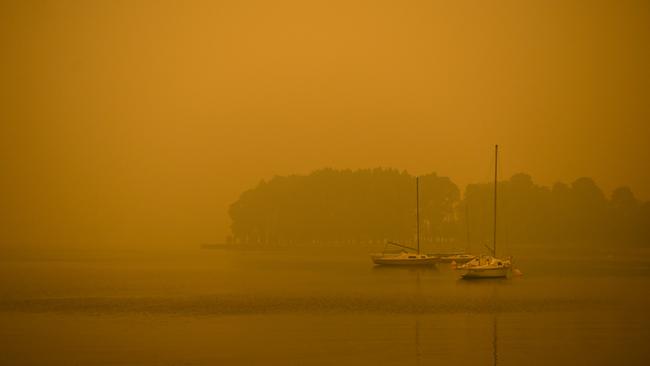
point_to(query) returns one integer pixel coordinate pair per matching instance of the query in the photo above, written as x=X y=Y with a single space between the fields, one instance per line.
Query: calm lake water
x=322 y=306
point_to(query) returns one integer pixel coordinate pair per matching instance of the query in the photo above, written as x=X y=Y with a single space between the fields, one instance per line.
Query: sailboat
x=406 y=256
x=489 y=266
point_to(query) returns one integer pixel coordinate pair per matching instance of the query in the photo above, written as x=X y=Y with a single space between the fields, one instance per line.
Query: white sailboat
x=489 y=266
x=407 y=256
x=486 y=266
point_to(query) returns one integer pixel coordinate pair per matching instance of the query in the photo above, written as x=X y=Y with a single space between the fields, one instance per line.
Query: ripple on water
x=238 y=304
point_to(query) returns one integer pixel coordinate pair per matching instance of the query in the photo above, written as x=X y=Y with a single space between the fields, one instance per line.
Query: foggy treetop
x=374 y=205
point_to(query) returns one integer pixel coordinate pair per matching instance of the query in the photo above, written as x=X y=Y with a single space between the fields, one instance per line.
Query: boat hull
x=405 y=261
x=457 y=258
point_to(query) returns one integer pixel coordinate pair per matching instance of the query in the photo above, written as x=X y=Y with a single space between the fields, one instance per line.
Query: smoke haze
x=127 y=123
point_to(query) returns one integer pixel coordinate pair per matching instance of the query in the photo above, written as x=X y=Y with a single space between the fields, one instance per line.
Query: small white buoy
x=517 y=272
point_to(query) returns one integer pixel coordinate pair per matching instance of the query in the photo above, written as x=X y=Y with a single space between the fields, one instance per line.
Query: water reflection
x=418 y=354
x=317 y=309
x=483 y=282
x=494 y=340
x=406 y=269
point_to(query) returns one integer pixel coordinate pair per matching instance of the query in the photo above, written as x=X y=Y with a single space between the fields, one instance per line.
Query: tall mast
x=417 y=209
x=496 y=162
x=467 y=221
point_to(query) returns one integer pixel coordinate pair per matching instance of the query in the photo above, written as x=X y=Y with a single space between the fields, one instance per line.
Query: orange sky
x=139 y=122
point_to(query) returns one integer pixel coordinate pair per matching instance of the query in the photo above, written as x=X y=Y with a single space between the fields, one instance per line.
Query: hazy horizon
x=141 y=122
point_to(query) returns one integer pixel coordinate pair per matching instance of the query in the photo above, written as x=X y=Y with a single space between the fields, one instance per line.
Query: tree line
x=376 y=205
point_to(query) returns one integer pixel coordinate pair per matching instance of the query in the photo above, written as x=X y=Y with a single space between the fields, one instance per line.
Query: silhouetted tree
x=369 y=205
x=374 y=205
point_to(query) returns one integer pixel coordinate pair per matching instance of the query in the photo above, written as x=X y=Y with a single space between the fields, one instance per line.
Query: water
x=319 y=306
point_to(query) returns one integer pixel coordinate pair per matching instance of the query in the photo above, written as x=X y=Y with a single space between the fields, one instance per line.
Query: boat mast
x=467 y=221
x=417 y=209
x=496 y=162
